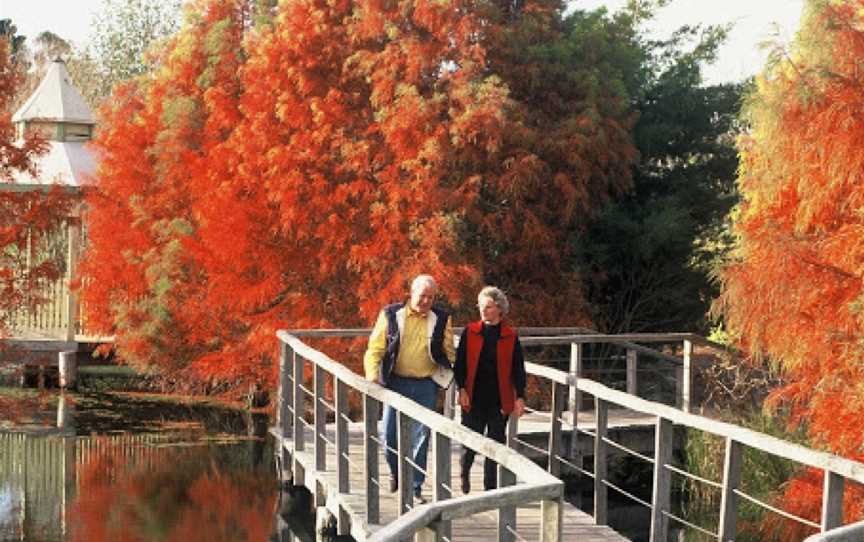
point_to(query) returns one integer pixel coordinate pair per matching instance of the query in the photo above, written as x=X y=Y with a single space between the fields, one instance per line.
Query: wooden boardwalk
x=577 y=525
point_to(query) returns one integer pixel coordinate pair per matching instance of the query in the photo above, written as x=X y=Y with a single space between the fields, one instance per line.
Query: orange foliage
x=299 y=172
x=796 y=292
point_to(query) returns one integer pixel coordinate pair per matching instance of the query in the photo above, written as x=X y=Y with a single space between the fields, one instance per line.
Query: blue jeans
x=423 y=391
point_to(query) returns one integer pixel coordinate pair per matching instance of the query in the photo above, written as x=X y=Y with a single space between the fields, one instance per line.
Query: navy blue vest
x=391 y=353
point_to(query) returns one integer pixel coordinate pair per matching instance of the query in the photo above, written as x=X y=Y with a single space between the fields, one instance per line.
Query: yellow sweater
x=414 y=360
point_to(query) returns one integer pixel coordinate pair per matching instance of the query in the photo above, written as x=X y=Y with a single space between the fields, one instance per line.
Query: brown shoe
x=418 y=495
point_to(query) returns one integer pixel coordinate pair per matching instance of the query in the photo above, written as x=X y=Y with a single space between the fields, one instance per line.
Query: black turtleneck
x=485 y=394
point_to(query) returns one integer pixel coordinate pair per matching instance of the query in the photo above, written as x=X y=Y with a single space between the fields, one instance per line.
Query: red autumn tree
x=140 y=279
x=300 y=171
x=795 y=291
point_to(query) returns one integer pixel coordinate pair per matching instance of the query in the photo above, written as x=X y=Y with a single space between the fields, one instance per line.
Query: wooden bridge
x=335 y=450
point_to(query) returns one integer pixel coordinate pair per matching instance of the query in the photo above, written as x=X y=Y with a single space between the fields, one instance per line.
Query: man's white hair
x=421 y=281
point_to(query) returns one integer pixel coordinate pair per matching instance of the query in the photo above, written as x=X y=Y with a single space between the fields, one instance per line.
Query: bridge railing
x=521 y=481
x=568 y=388
x=837 y=470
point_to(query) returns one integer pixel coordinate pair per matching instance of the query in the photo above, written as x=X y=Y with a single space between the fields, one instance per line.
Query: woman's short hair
x=499 y=297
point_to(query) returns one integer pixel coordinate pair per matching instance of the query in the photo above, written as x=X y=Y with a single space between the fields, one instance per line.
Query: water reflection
x=162 y=486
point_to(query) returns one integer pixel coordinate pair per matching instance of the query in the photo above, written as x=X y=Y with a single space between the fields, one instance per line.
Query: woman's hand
x=519 y=408
x=464 y=400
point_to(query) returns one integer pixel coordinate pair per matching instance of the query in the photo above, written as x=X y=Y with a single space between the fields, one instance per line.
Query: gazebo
x=57 y=111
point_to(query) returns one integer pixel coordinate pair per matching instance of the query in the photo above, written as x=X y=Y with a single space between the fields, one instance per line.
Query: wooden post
x=556 y=448
x=443 y=474
x=406 y=471
x=371 y=408
x=450 y=400
x=299 y=410
x=320 y=433
x=550 y=520
x=68 y=368
x=512 y=431
x=343 y=475
x=685 y=380
x=73 y=232
x=832 y=501
x=662 y=490
x=575 y=398
x=731 y=481
x=600 y=467
x=286 y=401
x=506 y=514
x=65 y=412
x=631 y=372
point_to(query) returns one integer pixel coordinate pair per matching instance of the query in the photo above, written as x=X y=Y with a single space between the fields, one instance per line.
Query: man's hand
x=519 y=408
x=464 y=400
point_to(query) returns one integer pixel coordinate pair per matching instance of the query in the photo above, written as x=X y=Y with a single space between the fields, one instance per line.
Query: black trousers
x=493 y=424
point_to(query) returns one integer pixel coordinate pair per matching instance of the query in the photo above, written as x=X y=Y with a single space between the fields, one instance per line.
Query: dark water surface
x=136 y=468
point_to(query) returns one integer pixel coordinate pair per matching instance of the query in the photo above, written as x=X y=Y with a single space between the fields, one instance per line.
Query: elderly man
x=408 y=345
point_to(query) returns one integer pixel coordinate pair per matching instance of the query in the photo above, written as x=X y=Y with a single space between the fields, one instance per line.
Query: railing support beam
x=556 y=447
x=731 y=481
x=662 y=490
x=601 y=409
x=832 y=501
x=371 y=409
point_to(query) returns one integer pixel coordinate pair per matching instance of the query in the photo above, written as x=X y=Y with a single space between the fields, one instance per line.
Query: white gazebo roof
x=66 y=163
x=55 y=100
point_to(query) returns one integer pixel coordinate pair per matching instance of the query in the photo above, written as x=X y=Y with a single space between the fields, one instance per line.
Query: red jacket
x=506 y=344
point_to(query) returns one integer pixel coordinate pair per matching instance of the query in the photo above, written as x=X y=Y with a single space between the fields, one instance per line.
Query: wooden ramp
x=577 y=525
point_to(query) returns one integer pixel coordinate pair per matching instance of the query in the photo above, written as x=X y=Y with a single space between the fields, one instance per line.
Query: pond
x=94 y=467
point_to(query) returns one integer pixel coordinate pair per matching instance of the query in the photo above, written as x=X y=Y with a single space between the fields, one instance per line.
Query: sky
x=755 y=21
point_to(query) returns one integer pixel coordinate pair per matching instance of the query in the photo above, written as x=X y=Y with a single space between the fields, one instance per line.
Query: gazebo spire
x=56 y=108
x=57 y=112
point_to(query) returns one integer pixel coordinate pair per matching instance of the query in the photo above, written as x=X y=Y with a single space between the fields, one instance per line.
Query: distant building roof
x=66 y=163
x=56 y=100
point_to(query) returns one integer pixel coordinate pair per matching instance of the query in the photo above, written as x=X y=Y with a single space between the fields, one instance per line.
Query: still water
x=114 y=467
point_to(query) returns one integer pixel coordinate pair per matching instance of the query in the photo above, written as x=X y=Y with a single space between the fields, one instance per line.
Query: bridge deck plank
x=577 y=525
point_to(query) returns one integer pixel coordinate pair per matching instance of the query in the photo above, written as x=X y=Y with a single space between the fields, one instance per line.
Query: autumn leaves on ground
x=293 y=164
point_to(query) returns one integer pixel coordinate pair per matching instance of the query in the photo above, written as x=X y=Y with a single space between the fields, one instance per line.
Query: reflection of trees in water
x=176 y=493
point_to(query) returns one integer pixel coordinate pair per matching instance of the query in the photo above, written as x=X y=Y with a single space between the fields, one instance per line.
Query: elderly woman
x=490 y=373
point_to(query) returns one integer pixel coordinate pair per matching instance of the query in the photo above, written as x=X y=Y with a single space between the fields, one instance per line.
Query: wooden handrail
x=853 y=532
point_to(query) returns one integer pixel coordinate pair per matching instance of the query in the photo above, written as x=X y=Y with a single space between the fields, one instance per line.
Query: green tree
x=647 y=259
x=121 y=33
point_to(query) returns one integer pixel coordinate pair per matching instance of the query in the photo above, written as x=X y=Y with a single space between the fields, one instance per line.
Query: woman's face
x=489 y=311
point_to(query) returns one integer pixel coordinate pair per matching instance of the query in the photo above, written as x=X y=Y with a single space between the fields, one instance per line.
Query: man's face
x=422 y=298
